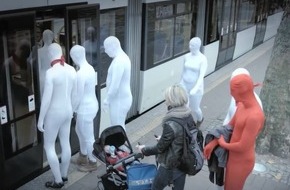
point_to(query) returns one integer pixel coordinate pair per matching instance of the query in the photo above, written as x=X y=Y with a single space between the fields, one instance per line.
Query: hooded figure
x=192 y=79
x=247 y=123
x=233 y=107
x=56 y=112
x=119 y=97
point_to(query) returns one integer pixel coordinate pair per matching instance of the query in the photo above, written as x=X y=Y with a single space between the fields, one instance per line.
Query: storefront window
x=168 y=29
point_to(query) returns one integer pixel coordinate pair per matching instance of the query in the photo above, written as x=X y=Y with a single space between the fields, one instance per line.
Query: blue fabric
x=141 y=176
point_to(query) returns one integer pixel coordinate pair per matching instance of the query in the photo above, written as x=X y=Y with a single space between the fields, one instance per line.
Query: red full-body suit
x=246 y=123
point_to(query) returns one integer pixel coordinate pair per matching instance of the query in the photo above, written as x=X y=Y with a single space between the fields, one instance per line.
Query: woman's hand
x=140 y=147
x=221 y=141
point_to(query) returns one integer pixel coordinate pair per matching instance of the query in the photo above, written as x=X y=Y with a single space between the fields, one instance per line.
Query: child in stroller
x=123 y=167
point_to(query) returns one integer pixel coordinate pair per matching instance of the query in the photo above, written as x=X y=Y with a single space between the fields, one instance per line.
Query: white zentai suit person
x=119 y=97
x=56 y=113
x=43 y=60
x=233 y=107
x=192 y=78
x=87 y=107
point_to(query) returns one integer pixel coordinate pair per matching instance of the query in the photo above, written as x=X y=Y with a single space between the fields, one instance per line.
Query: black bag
x=192 y=157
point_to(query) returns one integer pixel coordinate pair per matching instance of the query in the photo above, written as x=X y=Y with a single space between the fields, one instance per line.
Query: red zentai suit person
x=247 y=124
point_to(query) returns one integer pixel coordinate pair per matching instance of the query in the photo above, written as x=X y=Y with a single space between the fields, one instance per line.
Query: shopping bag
x=141 y=176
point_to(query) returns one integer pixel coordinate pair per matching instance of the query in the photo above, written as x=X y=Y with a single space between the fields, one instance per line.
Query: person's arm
x=202 y=71
x=46 y=100
x=116 y=75
x=164 y=142
x=248 y=138
x=74 y=94
x=80 y=89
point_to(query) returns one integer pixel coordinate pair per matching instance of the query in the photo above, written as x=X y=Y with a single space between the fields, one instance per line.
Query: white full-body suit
x=119 y=97
x=43 y=59
x=87 y=104
x=56 y=111
x=192 y=79
x=233 y=107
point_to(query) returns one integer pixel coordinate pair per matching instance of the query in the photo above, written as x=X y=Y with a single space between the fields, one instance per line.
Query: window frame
x=148 y=25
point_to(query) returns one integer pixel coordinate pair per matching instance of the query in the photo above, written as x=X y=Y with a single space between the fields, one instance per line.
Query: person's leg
x=178 y=180
x=79 y=128
x=64 y=134
x=51 y=130
x=88 y=134
x=162 y=178
x=195 y=107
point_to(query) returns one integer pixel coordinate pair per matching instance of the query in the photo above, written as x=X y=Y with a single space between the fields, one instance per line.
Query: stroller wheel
x=100 y=186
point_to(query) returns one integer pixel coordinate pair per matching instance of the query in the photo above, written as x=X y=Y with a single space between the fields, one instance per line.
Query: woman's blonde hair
x=175 y=96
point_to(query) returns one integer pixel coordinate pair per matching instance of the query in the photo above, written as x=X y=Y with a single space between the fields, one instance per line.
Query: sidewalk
x=214 y=106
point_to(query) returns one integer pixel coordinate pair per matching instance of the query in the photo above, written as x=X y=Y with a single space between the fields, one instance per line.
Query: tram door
x=82 y=23
x=70 y=25
x=20 y=142
x=227 y=26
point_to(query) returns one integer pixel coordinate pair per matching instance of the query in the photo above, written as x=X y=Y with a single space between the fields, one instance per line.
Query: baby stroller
x=124 y=170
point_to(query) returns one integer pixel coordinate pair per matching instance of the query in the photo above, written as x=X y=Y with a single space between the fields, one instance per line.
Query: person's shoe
x=64 y=179
x=54 y=185
x=198 y=123
x=91 y=166
x=80 y=160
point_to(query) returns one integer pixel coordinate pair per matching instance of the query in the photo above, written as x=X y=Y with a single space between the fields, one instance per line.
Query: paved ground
x=275 y=175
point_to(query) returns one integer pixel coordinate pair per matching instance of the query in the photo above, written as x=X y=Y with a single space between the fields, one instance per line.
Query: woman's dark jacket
x=169 y=148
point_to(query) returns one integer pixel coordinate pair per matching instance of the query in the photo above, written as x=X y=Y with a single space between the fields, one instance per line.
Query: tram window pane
x=247 y=14
x=275 y=6
x=182 y=33
x=112 y=23
x=163 y=39
x=18 y=67
x=84 y=33
x=211 y=21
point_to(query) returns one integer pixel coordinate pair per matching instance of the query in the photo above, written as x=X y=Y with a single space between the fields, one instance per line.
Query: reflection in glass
x=112 y=23
x=18 y=67
x=182 y=33
x=163 y=39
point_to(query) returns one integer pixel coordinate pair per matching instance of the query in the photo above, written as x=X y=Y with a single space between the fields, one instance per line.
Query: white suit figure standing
x=56 y=112
x=43 y=60
x=192 y=79
x=232 y=108
x=87 y=107
x=119 y=97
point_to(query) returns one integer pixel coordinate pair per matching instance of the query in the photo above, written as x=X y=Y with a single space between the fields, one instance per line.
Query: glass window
x=182 y=33
x=112 y=23
x=212 y=20
x=247 y=14
x=168 y=29
x=275 y=6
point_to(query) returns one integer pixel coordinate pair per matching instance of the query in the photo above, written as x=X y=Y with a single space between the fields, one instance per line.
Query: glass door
x=227 y=26
x=82 y=26
x=21 y=150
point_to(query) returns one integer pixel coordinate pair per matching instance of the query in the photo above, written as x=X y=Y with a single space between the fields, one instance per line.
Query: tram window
x=112 y=23
x=247 y=14
x=275 y=6
x=18 y=67
x=212 y=20
x=182 y=33
x=168 y=28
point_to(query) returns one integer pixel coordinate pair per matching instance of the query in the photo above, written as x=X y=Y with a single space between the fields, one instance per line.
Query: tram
x=154 y=34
